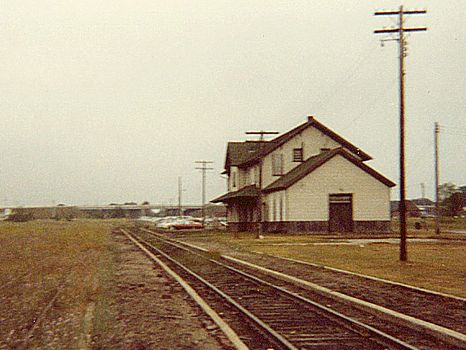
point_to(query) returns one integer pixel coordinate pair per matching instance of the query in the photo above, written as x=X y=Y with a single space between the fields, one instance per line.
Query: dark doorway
x=340 y=212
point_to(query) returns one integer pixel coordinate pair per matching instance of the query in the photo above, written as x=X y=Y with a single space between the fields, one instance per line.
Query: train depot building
x=307 y=179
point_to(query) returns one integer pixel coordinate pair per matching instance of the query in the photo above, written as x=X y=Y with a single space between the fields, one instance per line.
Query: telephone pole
x=180 y=189
x=261 y=133
x=402 y=54
x=437 y=204
x=203 y=169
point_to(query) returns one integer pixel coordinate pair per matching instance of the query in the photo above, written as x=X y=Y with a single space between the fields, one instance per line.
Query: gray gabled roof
x=313 y=163
x=247 y=153
x=241 y=152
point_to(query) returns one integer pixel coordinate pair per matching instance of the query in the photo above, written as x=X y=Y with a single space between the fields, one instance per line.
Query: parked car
x=186 y=225
x=178 y=223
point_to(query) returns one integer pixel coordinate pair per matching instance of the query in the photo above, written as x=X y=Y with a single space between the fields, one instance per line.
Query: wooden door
x=340 y=213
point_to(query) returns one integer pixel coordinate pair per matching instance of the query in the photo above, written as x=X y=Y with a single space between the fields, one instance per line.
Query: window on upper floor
x=297 y=154
x=277 y=164
x=233 y=179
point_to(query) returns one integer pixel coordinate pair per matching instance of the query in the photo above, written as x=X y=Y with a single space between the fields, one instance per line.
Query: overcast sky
x=110 y=101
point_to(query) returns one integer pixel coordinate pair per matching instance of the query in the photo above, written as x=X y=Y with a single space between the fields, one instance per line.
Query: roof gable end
x=275 y=143
x=315 y=162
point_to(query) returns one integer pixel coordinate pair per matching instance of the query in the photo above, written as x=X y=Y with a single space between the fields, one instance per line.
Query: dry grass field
x=78 y=285
x=43 y=260
x=436 y=265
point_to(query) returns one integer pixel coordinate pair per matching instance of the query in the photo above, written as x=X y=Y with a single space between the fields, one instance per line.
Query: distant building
x=308 y=179
x=426 y=207
x=55 y=212
x=132 y=211
x=412 y=209
x=113 y=210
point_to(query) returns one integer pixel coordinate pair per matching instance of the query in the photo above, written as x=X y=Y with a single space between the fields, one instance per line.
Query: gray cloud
x=112 y=101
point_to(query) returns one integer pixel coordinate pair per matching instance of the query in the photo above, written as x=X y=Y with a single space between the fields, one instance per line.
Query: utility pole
x=261 y=133
x=437 y=204
x=261 y=209
x=203 y=169
x=402 y=54
x=180 y=189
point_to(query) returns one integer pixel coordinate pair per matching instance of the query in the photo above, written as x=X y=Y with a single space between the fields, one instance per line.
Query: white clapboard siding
x=307 y=199
x=275 y=206
x=310 y=139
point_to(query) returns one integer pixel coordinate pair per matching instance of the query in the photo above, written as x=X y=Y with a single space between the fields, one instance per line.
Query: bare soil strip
x=229 y=333
x=146 y=309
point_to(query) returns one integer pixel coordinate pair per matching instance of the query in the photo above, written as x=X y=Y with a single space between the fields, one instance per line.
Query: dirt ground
x=147 y=310
x=76 y=285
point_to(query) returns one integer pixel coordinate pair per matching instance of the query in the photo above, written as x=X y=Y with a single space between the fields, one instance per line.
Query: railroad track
x=36 y=322
x=422 y=304
x=416 y=302
x=29 y=320
x=427 y=319
x=276 y=316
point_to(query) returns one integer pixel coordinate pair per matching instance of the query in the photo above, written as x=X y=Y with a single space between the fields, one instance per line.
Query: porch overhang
x=248 y=192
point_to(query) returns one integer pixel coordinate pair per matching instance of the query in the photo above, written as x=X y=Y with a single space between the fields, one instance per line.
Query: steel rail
x=440 y=332
x=329 y=268
x=344 y=320
x=266 y=330
x=39 y=318
x=224 y=327
x=382 y=280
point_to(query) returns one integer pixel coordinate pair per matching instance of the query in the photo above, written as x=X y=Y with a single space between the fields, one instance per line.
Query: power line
x=453 y=133
x=339 y=84
x=401 y=38
x=452 y=127
x=452 y=130
x=372 y=104
x=204 y=168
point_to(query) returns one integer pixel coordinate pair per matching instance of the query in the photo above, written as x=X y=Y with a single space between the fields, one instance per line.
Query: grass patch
x=36 y=257
x=428 y=225
x=438 y=265
x=214 y=254
x=104 y=316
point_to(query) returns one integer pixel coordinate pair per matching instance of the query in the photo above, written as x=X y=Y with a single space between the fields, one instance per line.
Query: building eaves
x=249 y=191
x=313 y=163
x=282 y=139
